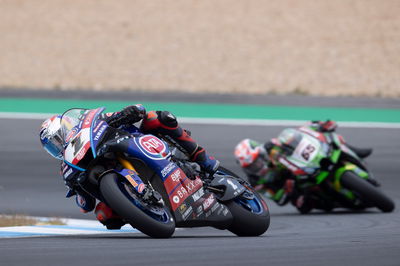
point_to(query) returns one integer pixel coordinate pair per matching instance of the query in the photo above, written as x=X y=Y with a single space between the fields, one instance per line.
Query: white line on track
x=227 y=121
x=72 y=227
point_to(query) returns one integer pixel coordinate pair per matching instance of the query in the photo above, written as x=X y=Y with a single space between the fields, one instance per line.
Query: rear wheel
x=367 y=192
x=250 y=216
x=154 y=221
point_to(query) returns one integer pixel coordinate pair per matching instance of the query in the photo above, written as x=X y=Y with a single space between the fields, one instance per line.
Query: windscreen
x=290 y=138
x=70 y=123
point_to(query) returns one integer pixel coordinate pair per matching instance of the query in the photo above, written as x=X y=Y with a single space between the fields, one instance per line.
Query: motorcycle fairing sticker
x=80 y=143
x=152 y=147
x=78 y=147
x=98 y=132
x=134 y=179
x=179 y=187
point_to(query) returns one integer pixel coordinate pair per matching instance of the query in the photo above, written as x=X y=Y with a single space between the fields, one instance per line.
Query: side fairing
x=78 y=147
x=187 y=197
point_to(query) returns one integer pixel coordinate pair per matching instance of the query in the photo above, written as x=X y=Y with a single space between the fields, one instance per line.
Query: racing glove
x=133 y=113
x=129 y=115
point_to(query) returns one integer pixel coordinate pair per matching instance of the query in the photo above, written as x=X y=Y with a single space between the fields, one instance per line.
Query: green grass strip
x=210 y=110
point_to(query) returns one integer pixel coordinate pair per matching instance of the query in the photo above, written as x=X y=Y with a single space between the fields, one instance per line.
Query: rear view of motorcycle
x=152 y=185
x=314 y=170
x=341 y=176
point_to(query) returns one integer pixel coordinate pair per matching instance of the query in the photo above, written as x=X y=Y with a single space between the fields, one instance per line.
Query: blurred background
x=304 y=47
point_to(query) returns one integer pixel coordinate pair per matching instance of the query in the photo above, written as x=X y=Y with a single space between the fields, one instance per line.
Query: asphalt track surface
x=29 y=183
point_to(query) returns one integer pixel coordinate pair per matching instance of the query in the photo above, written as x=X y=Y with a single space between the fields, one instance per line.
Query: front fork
x=130 y=174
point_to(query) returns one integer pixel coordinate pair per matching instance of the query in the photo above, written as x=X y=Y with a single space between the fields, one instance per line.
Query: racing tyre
x=367 y=191
x=157 y=224
x=250 y=217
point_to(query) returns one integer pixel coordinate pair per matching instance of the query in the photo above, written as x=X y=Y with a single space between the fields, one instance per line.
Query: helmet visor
x=54 y=145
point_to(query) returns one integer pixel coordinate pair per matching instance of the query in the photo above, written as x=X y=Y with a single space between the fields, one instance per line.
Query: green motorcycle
x=328 y=170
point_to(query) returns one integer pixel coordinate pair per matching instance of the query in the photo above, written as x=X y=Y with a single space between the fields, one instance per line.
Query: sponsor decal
x=176 y=175
x=186 y=214
x=167 y=169
x=208 y=202
x=100 y=132
x=175 y=199
x=89 y=118
x=188 y=188
x=213 y=208
x=98 y=126
x=131 y=180
x=80 y=154
x=198 y=194
x=182 y=208
x=199 y=210
x=68 y=173
x=71 y=134
x=152 y=145
x=193 y=185
x=180 y=191
x=141 y=188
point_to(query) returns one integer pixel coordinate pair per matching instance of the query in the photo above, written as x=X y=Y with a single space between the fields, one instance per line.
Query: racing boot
x=108 y=217
x=207 y=163
x=361 y=152
x=165 y=123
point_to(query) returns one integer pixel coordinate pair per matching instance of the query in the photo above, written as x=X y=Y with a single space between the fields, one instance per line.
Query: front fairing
x=306 y=156
x=81 y=131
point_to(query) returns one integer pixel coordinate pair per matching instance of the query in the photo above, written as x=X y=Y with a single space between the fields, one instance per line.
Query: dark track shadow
x=144 y=237
x=334 y=212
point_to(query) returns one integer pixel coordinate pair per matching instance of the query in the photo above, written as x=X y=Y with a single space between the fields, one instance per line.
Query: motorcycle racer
x=261 y=164
x=154 y=122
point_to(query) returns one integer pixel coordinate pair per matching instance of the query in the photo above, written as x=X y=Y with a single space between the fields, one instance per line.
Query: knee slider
x=167 y=118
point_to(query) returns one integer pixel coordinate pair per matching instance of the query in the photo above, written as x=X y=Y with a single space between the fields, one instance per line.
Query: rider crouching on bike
x=265 y=173
x=154 y=122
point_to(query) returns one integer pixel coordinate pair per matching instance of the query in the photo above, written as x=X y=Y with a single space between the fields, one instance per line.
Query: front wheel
x=367 y=191
x=250 y=216
x=153 y=221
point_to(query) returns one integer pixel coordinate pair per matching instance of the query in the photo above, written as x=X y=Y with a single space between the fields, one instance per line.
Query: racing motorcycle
x=329 y=171
x=150 y=182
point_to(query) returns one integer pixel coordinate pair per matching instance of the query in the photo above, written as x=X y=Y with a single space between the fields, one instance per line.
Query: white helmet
x=51 y=138
x=252 y=157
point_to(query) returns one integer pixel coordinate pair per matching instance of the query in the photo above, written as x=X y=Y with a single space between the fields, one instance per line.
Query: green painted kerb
x=210 y=110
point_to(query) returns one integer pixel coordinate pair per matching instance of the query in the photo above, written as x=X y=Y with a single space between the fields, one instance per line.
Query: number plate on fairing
x=306 y=151
x=78 y=147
